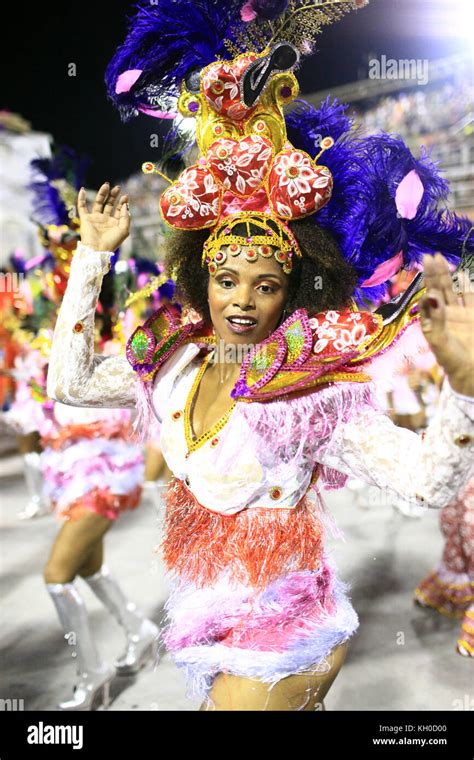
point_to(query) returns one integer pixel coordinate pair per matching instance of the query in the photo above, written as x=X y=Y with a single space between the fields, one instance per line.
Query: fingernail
x=433 y=302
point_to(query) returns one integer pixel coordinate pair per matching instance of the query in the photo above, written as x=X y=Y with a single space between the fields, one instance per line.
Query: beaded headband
x=280 y=243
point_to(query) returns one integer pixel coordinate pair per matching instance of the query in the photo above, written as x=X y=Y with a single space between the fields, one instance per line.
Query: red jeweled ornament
x=298 y=186
x=240 y=166
x=251 y=254
x=221 y=87
x=193 y=201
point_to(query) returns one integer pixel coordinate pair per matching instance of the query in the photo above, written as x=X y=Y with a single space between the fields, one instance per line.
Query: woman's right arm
x=77 y=376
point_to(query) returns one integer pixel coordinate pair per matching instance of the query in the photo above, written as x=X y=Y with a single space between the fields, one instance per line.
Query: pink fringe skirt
x=252 y=594
x=92 y=468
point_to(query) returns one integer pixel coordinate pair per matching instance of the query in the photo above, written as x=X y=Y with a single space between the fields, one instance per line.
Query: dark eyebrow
x=259 y=277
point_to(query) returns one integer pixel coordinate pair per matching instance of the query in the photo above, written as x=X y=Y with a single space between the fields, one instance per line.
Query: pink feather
x=126 y=80
x=409 y=194
x=247 y=13
x=158 y=114
x=385 y=271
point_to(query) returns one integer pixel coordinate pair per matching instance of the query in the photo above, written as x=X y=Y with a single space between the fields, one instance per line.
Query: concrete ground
x=402 y=658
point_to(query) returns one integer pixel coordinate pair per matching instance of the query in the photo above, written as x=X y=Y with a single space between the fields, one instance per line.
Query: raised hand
x=104 y=228
x=447 y=321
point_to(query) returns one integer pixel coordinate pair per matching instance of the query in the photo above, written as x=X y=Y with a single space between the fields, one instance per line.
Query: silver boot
x=38 y=504
x=95 y=675
x=142 y=634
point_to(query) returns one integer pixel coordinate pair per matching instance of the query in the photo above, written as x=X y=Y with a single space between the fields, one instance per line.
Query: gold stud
x=462 y=440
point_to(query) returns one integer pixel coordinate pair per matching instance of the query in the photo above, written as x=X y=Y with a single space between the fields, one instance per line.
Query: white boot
x=38 y=504
x=95 y=675
x=142 y=634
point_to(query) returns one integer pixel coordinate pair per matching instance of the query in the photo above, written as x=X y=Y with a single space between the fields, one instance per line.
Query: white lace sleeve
x=427 y=469
x=77 y=376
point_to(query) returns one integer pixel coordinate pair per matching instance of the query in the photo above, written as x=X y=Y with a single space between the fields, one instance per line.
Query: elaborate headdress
x=228 y=68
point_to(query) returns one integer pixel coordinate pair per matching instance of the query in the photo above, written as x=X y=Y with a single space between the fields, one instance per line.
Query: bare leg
x=29 y=443
x=304 y=692
x=155 y=465
x=73 y=547
x=94 y=561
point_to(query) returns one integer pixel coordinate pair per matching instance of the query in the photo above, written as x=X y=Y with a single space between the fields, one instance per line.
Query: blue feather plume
x=166 y=40
x=362 y=212
x=305 y=124
x=65 y=164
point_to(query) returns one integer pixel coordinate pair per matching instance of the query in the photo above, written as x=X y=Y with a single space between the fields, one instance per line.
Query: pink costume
x=90 y=464
x=254 y=592
x=449 y=588
x=89 y=461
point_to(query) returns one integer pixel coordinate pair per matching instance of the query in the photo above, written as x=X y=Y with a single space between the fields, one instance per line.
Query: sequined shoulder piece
x=151 y=344
x=307 y=352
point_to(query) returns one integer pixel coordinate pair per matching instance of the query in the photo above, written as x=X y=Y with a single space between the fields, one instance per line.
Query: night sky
x=42 y=39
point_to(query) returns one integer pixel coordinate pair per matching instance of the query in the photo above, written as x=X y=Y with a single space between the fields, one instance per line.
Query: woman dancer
x=267 y=393
x=92 y=474
x=89 y=470
x=449 y=588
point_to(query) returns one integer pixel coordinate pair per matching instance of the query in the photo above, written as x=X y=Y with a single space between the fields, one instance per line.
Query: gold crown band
x=282 y=239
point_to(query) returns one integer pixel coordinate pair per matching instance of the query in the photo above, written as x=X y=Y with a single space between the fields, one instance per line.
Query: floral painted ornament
x=297 y=186
x=221 y=87
x=337 y=332
x=193 y=202
x=241 y=166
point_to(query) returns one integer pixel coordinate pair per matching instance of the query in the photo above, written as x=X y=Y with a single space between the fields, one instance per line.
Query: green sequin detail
x=140 y=342
x=294 y=337
x=166 y=345
x=264 y=358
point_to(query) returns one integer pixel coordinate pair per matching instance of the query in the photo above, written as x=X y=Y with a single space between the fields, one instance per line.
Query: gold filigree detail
x=148 y=289
x=300 y=25
x=198 y=442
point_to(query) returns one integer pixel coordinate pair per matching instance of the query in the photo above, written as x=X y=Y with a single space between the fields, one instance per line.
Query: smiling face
x=255 y=291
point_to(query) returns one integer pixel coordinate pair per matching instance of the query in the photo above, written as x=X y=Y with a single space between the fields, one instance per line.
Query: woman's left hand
x=447 y=321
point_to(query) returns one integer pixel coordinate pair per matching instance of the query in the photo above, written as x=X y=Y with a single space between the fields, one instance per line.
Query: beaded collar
x=303 y=353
